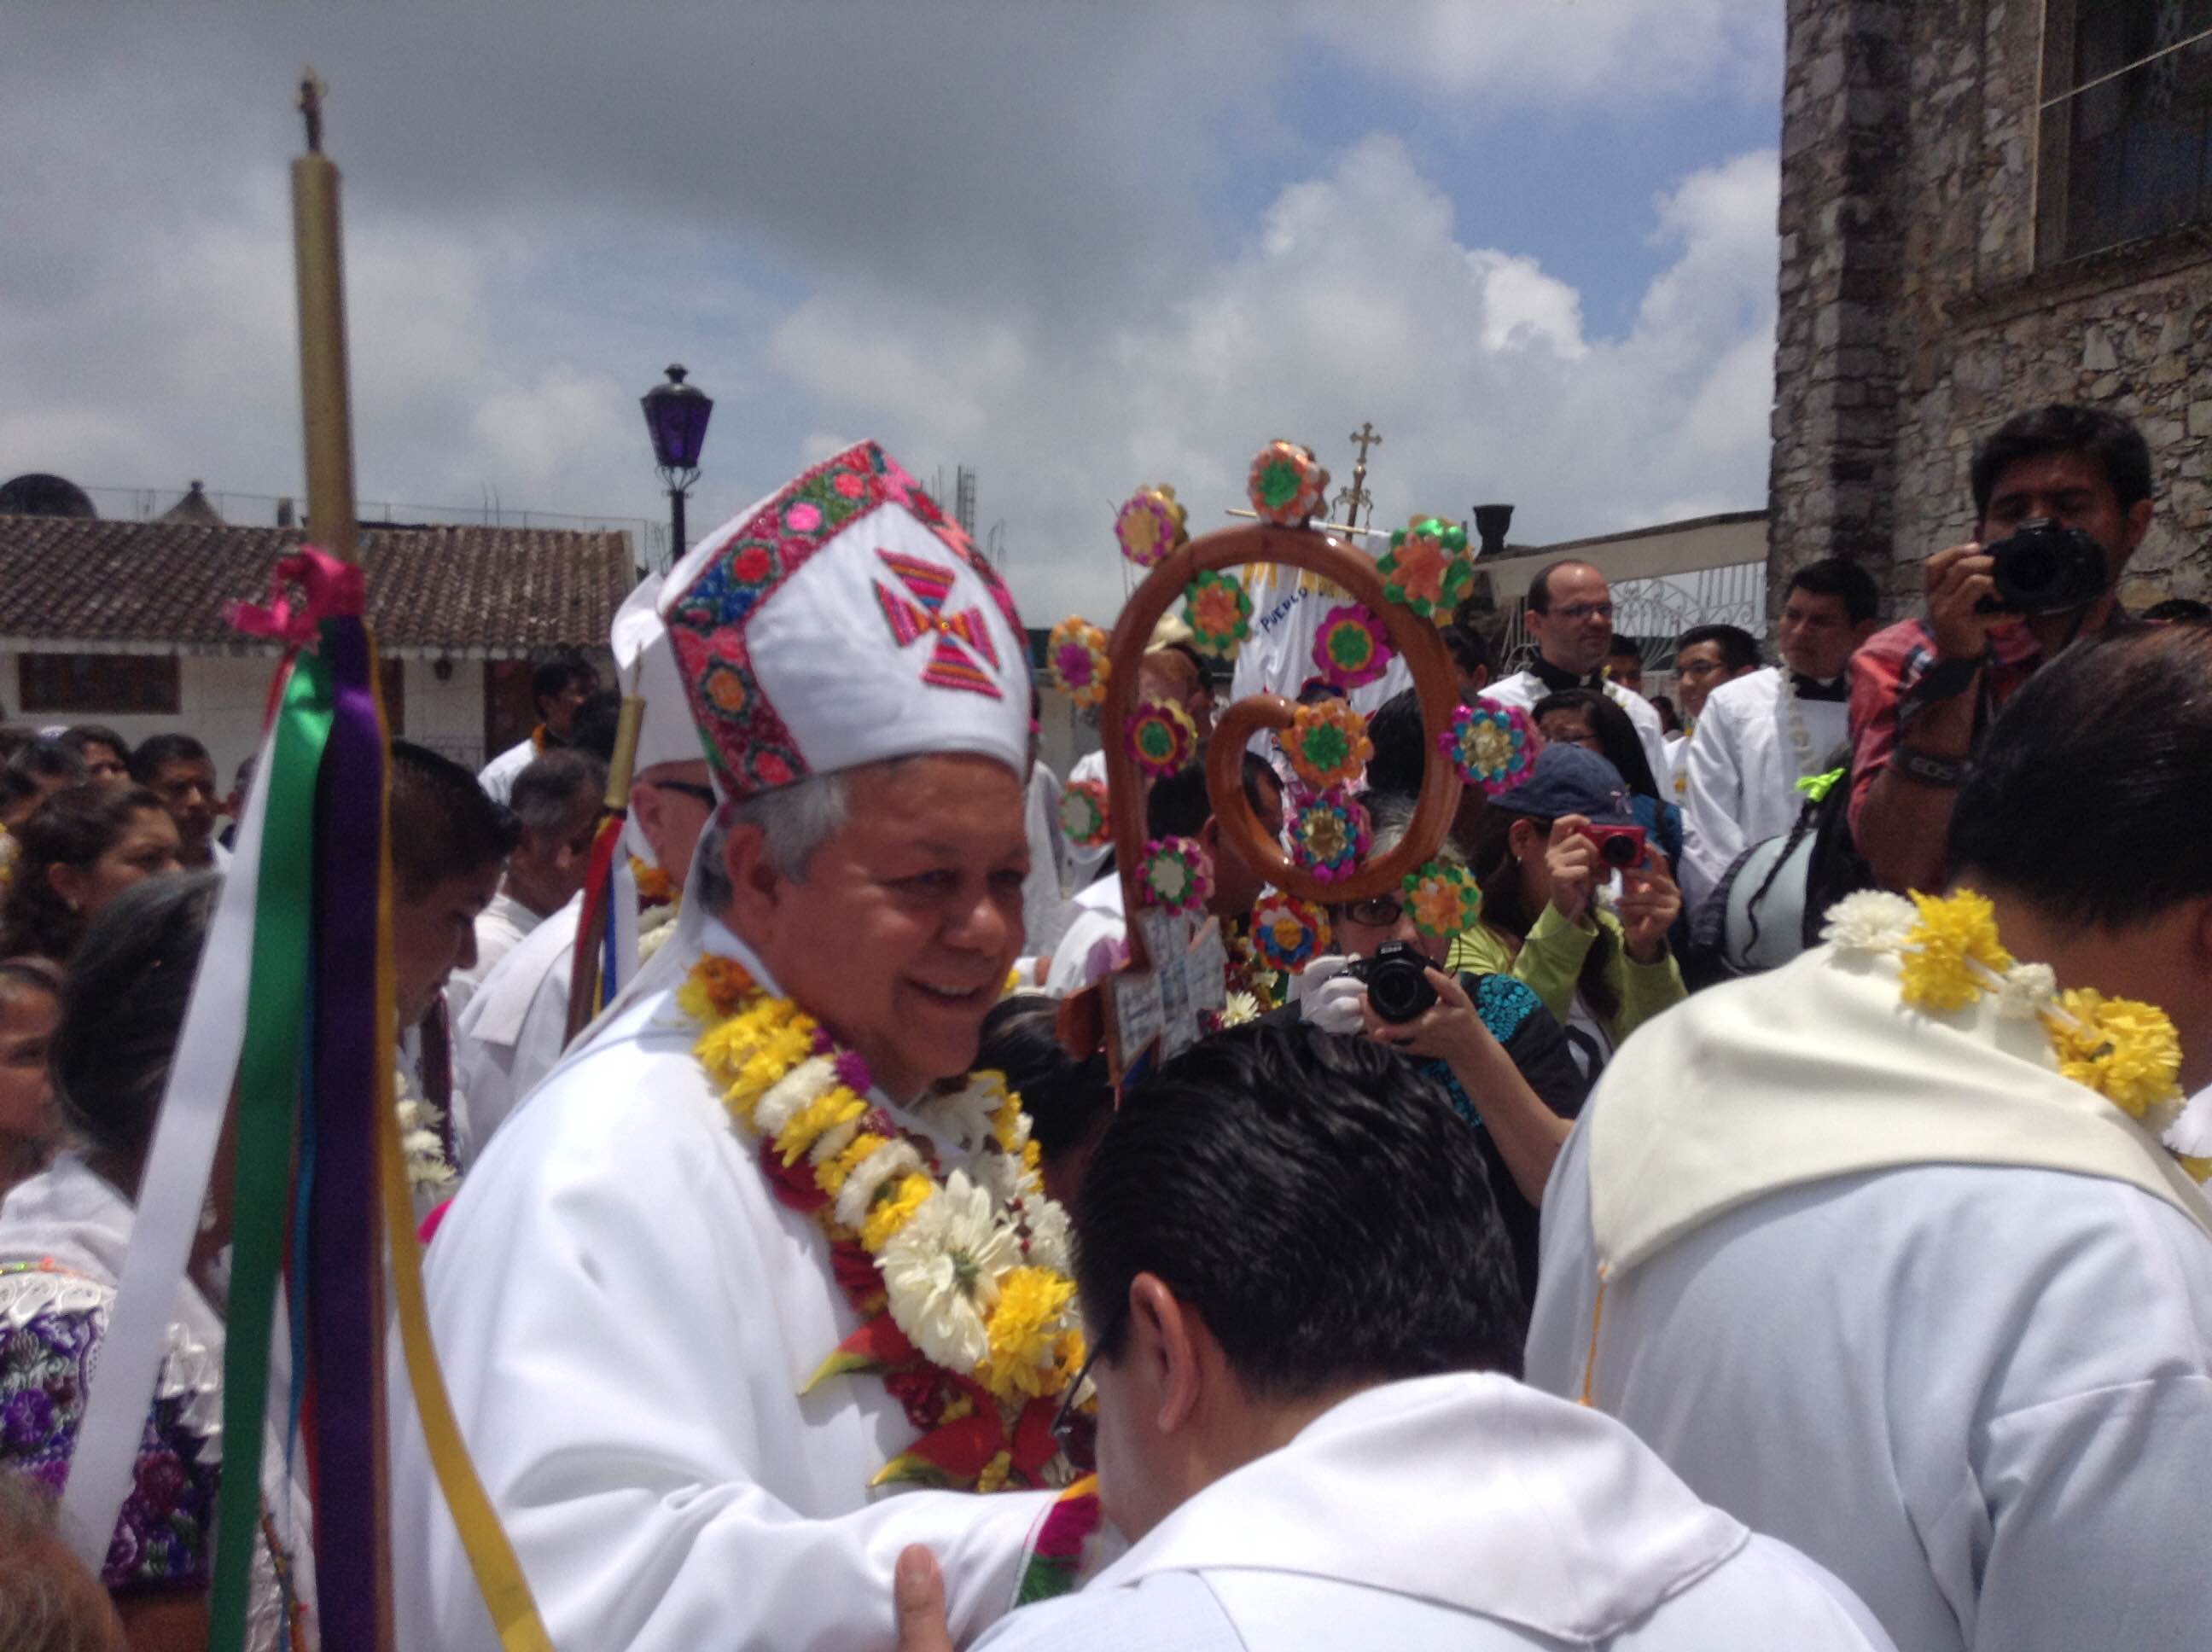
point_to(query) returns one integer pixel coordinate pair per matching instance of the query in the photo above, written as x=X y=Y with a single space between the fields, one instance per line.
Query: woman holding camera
x=1543 y=852
x=1500 y=1056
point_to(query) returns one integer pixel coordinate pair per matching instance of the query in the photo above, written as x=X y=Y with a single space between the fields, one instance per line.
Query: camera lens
x=1398 y=984
x=1617 y=852
x=2030 y=571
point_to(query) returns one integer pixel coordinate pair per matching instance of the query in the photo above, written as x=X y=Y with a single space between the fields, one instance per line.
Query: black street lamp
x=676 y=416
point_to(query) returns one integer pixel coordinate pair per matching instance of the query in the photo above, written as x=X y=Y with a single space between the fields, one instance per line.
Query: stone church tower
x=1988 y=204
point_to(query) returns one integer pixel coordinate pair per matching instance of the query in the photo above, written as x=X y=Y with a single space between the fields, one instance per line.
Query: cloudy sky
x=1075 y=245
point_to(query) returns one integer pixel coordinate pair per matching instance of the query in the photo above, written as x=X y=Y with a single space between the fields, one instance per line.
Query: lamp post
x=676 y=417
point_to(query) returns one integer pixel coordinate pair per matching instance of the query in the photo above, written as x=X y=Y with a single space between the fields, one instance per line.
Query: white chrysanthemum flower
x=941 y=1274
x=893 y=1158
x=1049 y=1231
x=1870 y=920
x=652 y=933
x=2028 y=989
x=1001 y=1175
x=833 y=1141
x=2191 y=1133
x=965 y=1113
x=1240 y=1008
x=788 y=1095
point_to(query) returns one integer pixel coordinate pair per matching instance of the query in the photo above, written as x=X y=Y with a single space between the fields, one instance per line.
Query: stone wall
x=1914 y=318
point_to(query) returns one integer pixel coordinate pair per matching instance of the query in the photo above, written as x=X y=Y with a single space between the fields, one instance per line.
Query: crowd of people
x=1606 y=1279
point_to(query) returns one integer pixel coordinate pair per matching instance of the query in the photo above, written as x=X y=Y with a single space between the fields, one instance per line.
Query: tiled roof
x=501 y=592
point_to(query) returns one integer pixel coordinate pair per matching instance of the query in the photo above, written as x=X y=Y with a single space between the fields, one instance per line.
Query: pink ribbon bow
x=329 y=589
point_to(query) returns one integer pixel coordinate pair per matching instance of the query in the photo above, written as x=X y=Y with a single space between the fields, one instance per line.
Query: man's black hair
x=1540 y=588
x=555 y=788
x=1401 y=753
x=1739 y=648
x=51 y=760
x=1623 y=647
x=555 y=672
x=2088 y=798
x=2113 y=442
x=442 y=824
x=1179 y=805
x=84 y=734
x=1470 y=650
x=593 y=731
x=1316 y=1202
x=161 y=750
x=1064 y=1098
x=1839 y=576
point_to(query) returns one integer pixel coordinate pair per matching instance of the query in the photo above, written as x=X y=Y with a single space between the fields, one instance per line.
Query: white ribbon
x=171 y=1193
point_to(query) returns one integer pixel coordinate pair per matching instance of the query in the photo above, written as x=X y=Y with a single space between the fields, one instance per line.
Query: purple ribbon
x=343 y=1272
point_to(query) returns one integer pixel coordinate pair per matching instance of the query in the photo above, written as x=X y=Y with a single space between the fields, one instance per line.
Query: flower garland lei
x=960 y=1280
x=1948 y=955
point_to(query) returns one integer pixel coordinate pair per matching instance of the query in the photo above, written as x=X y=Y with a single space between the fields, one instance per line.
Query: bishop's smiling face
x=900 y=937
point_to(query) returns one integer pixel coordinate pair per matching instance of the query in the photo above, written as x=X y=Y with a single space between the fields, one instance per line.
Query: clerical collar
x=1558 y=681
x=1806 y=688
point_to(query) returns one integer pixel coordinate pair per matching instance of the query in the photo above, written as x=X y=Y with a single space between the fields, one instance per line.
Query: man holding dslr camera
x=2062 y=499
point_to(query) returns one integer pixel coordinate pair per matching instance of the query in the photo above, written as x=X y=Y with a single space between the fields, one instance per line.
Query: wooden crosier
x=1087 y=1020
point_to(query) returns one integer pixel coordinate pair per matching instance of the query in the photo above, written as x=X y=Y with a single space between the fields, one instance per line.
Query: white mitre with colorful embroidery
x=844 y=620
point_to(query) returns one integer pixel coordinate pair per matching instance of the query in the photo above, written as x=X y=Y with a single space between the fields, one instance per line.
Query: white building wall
x=221 y=697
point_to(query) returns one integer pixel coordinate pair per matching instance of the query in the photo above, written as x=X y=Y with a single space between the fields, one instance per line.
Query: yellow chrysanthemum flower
x=1954 y=933
x=1070 y=1353
x=895 y=1203
x=836 y=1106
x=2127 y=1052
x=993 y=1476
x=1025 y=1327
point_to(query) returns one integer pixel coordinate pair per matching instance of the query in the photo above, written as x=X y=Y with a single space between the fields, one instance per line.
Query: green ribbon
x=1816 y=787
x=268 y=1113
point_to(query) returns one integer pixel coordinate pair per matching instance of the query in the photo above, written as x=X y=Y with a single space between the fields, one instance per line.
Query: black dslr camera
x=1397 y=981
x=2043 y=568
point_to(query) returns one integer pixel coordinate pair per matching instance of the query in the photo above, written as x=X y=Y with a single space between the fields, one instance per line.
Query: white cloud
x=1354 y=299
x=1522 y=52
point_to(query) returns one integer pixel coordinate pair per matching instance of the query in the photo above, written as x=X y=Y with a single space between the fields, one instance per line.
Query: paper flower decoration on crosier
x=1176 y=875
x=1082 y=816
x=1350 y=648
x=1219 y=610
x=1150 y=525
x=1444 y=900
x=1162 y=738
x=1330 y=835
x=1427 y=569
x=1076 y=652
x=1492 y=746
x=1286 y=485
x=1327 y=743
x=1287 y=933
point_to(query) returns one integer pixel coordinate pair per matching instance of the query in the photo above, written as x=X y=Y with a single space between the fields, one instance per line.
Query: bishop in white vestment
x=632 y=1314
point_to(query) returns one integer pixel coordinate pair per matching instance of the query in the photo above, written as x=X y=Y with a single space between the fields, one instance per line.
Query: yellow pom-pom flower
x=899 y=1201
x=1954 y=933
x=2127 y=1052
x=1026 y=1329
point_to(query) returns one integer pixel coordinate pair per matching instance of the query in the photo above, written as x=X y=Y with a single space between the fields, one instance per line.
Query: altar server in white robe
x=1758 y=735
x=1570 y=617
x=627 y=1310
x=513 y=1030
x=1308 y=1424
x=1887 y=1282
x=1705 y=656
